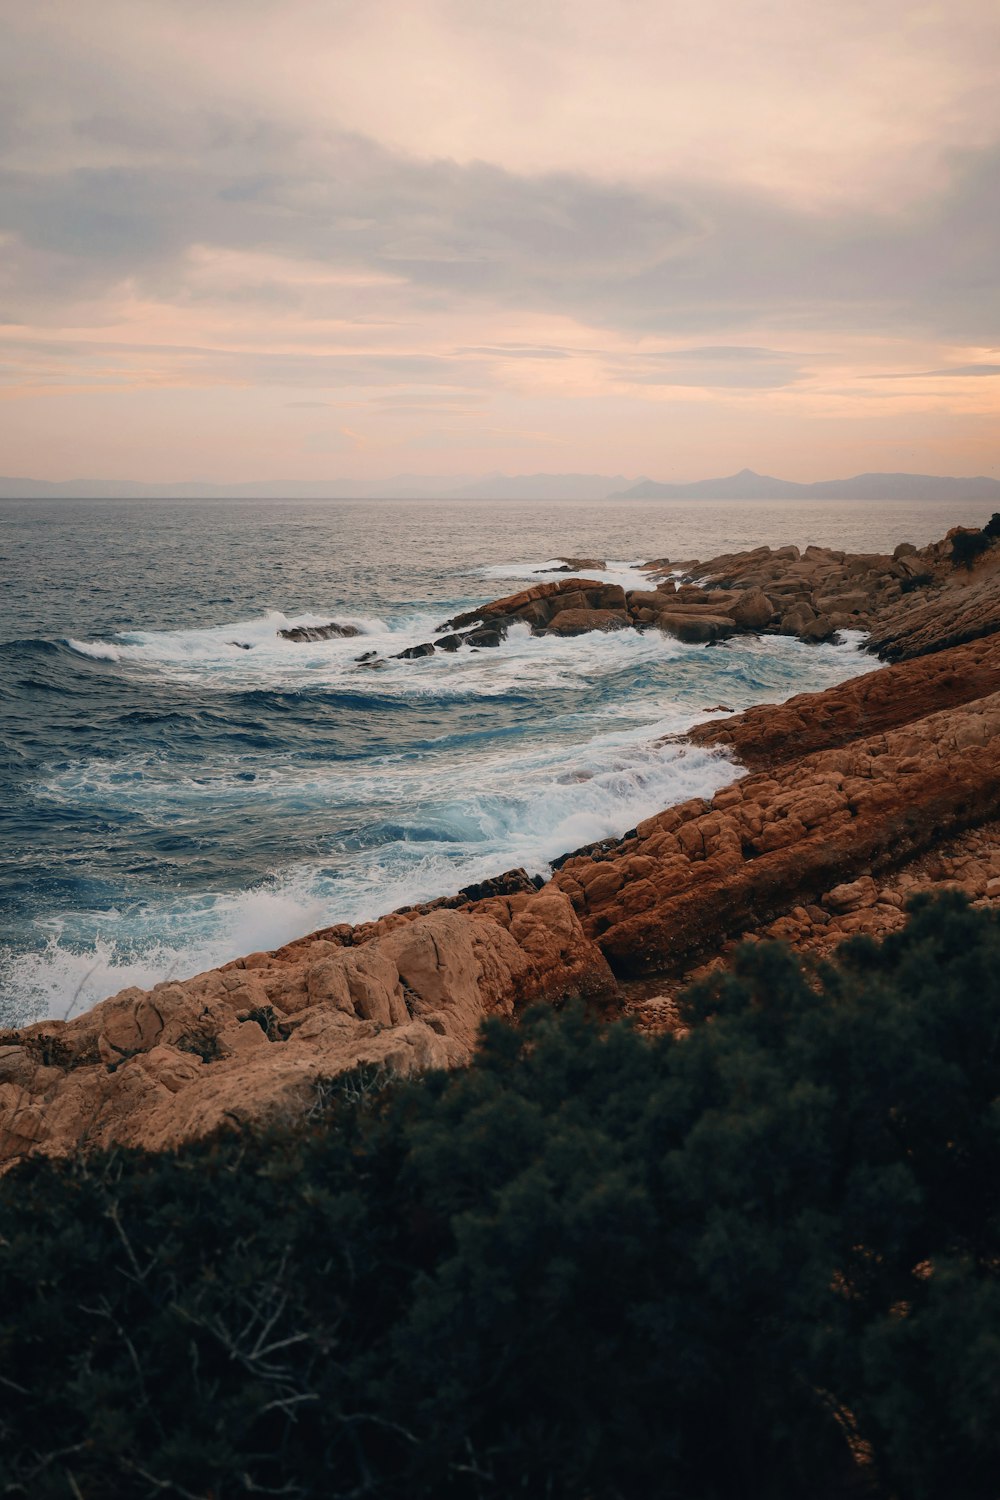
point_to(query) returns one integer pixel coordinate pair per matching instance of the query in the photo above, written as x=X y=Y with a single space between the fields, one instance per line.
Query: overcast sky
x=255 y=239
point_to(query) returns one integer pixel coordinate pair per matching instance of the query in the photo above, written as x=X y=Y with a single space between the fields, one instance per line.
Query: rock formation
x=151 y=1068
x=842 y=805
x=318 y=632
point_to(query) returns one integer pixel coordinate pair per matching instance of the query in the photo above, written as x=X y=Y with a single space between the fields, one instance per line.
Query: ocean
x=170 y=799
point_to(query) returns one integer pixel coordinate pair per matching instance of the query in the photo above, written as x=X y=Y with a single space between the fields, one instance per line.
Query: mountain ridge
x=748 y=485
x=744 y=485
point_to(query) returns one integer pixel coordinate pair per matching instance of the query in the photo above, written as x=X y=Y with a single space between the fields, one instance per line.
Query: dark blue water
x=169 y=800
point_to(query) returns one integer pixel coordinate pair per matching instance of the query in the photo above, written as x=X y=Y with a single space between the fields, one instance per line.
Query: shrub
x=966 y=546
x=914 y=581
x=586 y=1266
x=992 y=527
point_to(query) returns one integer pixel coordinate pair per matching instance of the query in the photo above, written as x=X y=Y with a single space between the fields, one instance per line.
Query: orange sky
x=265 y=239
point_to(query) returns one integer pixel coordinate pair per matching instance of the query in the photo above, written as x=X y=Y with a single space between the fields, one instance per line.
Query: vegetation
x=967 y=546
x=761 y=1262
x=914 y=581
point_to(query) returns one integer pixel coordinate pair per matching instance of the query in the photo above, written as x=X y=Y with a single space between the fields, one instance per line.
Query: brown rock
x=579 y=621
x=695 y=628
x=752 y=610
x=850 y=897
x=155 y=1068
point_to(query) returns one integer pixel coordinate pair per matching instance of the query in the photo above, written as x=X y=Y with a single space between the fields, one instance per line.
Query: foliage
x=992 y=527
x=966 y=546
x=914 y=581
x=588 y=1265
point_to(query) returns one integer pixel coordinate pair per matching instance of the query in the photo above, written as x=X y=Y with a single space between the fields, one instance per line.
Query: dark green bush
x=587 y=1266
x=992 y=527
x=966 y=546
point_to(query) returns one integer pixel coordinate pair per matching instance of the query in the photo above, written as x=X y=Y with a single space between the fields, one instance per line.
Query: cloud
x=444 y=205
x=657 y=258
x=962 y=372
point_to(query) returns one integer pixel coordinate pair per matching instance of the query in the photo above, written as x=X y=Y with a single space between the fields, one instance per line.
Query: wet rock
x=539 y=605
x=700 y=628
x=818 y=630
x=485 y=636
x=425 y=648
x=317 y=632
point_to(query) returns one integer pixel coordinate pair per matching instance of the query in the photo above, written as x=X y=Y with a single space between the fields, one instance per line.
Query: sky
x=310 y=239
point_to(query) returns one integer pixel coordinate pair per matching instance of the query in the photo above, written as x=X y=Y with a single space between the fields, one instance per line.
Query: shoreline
x=847 y=802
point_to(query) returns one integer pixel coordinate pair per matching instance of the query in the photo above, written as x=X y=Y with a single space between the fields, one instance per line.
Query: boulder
x=818 y=630
x=752 y=610
x=539 y=605
x=486 y=635
x=579 y=621
x=853 y=895
x=696 y=628
x=796 y=619
x=852 y=602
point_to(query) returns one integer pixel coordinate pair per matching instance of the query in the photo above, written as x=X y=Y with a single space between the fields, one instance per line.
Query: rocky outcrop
x=773 y=734
x=539 y=606
x=319 y=632
x=153 y=1068
x=912 y=601
x=702 y=872
x=841 y=805
x=966 y=610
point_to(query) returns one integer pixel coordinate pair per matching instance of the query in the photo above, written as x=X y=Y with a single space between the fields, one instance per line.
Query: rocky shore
x=843 y=804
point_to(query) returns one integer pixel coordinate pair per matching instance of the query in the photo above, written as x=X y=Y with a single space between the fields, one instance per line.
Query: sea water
x=179 y=784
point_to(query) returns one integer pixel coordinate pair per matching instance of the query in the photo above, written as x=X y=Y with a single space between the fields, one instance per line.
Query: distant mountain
x=746 y=485
x=400 y=487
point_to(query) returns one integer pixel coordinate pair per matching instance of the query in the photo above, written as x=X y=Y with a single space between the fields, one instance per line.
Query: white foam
x=434 y=820
x=627 y=575
x=214 y=657
x=96 y=650
x=458 y=826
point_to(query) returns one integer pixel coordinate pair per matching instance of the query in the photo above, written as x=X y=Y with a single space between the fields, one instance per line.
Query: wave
x=627 y=574
x=216 y=657
x=405 y=810
x=464 y=822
